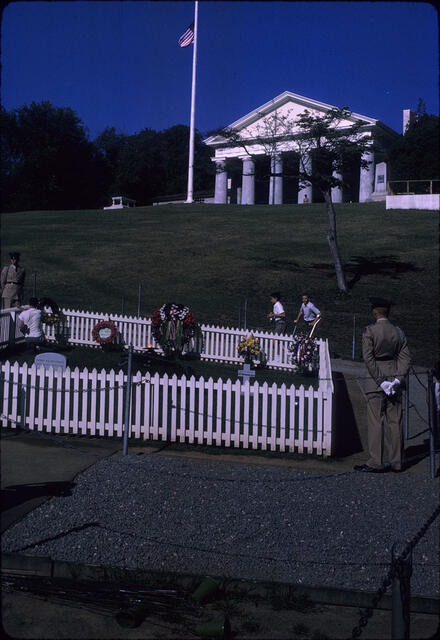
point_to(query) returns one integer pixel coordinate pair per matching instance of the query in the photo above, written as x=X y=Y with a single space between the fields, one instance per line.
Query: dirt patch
x=27 y=616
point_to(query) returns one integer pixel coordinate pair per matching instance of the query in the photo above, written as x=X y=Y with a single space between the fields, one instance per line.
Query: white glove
x=395 y=386
x=387 y=387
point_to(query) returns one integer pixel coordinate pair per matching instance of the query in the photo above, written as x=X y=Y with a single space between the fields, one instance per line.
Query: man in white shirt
x=311 y=314
x=31 y=318
x=278 y=315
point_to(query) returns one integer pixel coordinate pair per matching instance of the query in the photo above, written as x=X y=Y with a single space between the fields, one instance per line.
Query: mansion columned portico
x=255 y=172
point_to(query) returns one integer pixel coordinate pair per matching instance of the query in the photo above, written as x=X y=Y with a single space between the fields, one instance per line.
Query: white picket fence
x=168 y=408
x=285 y=418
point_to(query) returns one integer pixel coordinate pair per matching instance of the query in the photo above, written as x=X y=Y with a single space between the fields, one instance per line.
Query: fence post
x=127 y=399
x=401 y=592
x=406 y=422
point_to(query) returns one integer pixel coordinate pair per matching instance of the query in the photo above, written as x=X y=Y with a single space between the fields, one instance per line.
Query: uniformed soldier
x=12 y=282
x=387 y=359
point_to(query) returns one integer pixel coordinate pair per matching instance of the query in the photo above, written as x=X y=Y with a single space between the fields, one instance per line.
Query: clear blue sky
x=118 y=63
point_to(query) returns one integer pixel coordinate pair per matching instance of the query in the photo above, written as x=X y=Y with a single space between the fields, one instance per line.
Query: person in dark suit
x=387 y=360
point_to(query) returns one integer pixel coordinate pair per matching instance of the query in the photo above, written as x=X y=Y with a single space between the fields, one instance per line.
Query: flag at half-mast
x=188 y=37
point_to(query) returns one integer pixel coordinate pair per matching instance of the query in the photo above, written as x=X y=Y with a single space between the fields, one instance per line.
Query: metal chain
x=368 y=612
x=396 y=569
x=419 y=535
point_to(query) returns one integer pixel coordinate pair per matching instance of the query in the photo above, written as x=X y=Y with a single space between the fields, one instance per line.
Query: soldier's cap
x=380 y=302
x=14 y=254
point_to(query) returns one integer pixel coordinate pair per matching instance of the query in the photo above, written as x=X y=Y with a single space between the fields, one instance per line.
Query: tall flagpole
x=193 y=108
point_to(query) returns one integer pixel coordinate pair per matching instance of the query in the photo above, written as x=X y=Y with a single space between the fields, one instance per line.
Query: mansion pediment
x=285 y=109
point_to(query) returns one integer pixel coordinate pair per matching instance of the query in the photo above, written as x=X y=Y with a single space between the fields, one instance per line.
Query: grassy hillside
x=212 y=258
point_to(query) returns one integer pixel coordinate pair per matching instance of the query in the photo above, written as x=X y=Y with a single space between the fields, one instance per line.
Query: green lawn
x=213 y=258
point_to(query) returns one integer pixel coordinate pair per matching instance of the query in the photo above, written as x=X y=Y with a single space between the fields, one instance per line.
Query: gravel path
x=242 y=521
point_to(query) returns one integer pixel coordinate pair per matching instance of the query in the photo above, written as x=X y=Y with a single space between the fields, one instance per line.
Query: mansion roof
x=289 y=105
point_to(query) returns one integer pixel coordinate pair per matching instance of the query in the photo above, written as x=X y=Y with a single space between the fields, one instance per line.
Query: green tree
x=415 y=154
x=50 y=162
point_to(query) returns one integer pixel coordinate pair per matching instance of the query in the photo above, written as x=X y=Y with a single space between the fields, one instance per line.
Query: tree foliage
x=415 y=154
x=49 y=162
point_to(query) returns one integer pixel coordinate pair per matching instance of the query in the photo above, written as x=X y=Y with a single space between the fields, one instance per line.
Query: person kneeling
x=29 y=322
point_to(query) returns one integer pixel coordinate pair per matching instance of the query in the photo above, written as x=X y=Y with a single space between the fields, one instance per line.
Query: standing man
x=311 y=314
x=12 y=282
x=387 y=359
x=278 y=315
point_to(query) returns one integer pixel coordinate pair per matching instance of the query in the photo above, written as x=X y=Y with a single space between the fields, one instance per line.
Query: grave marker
x=49 y=359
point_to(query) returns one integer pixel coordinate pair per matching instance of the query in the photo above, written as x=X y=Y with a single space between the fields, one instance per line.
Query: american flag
x=188 y=37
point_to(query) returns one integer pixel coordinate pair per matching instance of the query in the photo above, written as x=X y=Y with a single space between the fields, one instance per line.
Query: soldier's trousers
x=384 y=416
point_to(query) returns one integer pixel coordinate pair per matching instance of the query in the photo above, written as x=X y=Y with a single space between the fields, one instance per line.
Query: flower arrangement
x=304 y=352
x=249 y=348
x=175 y=329
x=49 y=318
x=105 y=332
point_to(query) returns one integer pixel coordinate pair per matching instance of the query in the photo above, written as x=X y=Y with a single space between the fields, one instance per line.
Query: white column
x=276 y=181
x=221 y=182
x=366 y=178
x=337 y=191
x=305 y=164
x=248 y=181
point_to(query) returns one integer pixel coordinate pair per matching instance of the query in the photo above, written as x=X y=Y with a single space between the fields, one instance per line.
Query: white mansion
x=255 y=174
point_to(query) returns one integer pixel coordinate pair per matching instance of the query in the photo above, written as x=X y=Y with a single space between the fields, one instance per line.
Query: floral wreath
x=109 y=330
x=49 y=318
x=303 y=349
x=174 y=327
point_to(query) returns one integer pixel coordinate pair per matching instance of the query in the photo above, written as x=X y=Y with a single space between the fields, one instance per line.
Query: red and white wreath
x=104 y=332
x=303 y=349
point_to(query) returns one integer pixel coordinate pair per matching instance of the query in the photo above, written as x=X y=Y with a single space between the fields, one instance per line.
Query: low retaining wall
x=428 y=201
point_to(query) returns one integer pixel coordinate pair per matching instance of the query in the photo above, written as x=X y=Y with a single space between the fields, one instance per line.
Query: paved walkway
x=34 y=468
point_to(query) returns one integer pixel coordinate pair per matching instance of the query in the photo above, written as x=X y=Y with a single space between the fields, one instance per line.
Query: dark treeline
x=49 y=162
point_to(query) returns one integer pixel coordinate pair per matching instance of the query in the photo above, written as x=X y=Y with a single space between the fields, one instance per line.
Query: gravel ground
x=242 y=521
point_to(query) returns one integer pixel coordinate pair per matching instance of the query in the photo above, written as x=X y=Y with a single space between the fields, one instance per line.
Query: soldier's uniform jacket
x=12 y=281
x=385 y=352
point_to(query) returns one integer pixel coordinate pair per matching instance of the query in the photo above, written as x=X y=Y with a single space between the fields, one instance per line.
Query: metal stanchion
x=139 y=300
x=23 y=407
x=401 y=592
x=353 y=346
x=432 y=422
x=127 y=399
x=406 y=422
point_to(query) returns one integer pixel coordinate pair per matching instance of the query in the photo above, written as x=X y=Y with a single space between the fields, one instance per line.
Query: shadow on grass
x=390 y=266
x=360 y=266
